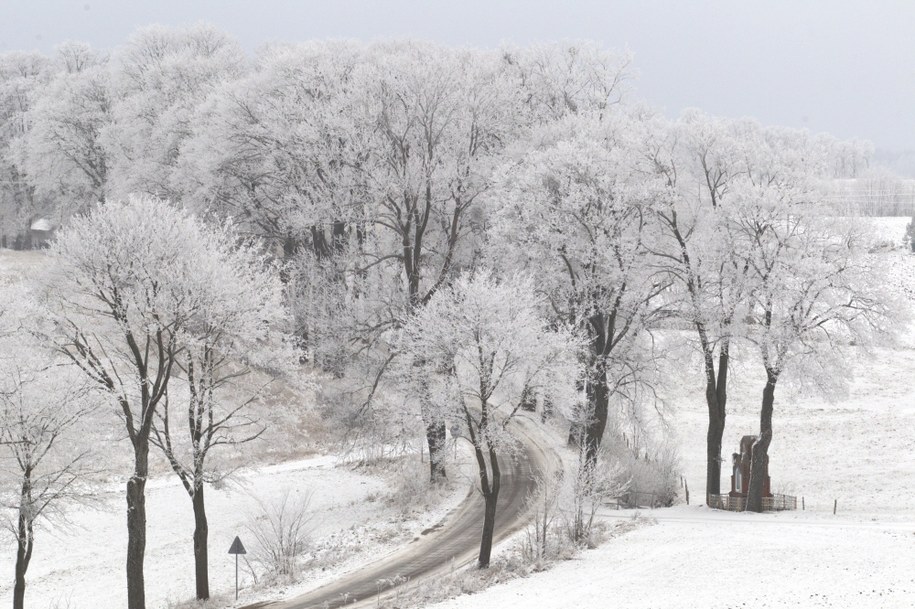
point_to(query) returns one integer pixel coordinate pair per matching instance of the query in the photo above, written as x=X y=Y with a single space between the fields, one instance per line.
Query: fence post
x=803 y=507
x=835 y=504
x=686 y=486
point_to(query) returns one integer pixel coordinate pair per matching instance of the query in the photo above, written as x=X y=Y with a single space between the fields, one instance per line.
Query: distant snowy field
x=859 y=450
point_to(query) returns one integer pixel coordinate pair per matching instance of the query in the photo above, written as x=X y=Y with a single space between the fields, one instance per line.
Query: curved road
x=455 y=544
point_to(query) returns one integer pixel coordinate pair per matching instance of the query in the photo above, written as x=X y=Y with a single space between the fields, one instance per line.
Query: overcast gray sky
x=830 y=65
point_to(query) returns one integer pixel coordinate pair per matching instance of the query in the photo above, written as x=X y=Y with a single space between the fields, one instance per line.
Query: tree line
x=478 y=231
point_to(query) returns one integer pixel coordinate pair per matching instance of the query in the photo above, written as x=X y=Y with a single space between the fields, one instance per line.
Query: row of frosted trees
x=470 y=228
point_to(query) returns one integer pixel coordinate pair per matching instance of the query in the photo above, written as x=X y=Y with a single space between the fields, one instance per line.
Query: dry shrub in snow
x=410 y=484
x=544 y=540
x=594 y=484
x=513 y=563
x=647 y=456
x=281 y=529
x=564 y=508
x=407 y=476
x=364 y=431
x=655 y=480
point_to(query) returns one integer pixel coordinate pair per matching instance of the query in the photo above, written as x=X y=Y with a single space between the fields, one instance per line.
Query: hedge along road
x=455 y=544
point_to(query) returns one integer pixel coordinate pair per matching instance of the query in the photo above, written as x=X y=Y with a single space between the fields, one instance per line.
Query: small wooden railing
x=778 y=503
x=726 y=502
x=775 y=503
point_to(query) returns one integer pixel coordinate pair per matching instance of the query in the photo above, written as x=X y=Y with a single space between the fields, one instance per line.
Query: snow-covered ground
x=695 y=557
x=82 y=565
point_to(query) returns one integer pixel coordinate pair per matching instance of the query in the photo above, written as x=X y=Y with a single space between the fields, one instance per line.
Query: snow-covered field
x=696 y=558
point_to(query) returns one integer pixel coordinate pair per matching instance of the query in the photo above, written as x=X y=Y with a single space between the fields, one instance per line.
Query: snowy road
x=454 y=544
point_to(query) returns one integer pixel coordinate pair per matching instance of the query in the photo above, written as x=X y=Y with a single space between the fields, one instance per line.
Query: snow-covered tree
x=578 y=213
x=66 y=157
x=441 y=120
x=710 y=163
x=126 y=283
x=478 y=345
x=280 y=152
x=22 y=76
x=159 y=78
x=816 y=292
x=73 y=57
x=562 y=79
x=701 y=157
x=276 y=150
x=370 y=162
x=43 y=464
x=239 y=327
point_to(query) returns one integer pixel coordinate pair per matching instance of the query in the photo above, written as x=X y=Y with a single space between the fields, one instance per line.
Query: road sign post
x=237 y=548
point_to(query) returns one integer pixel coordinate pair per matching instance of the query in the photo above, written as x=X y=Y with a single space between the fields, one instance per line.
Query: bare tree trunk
x=338 y=236
x=716 y=395
x=576 y=429
x=136 y=523
x=598 y=408
x=713 y=456
x=23 y=553
x=546 y=410
x=290 y=247
x=761 y=446
x=435 y=427
x=435 y=438
x=201 y=532
x=490 y=497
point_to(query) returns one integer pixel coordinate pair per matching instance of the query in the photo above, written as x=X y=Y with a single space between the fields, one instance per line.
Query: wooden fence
x=775 y=503
x=778 y=503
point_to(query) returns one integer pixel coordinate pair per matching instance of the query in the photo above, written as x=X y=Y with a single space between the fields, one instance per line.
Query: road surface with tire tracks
x=455 y=544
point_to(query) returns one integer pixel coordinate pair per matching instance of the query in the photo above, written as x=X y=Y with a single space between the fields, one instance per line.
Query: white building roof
x=42 y=224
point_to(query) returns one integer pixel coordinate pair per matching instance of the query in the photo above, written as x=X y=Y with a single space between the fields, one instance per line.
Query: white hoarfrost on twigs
x=484 y=342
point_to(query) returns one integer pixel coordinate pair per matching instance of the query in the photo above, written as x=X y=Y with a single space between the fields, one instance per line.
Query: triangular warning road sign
x=237 y=547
